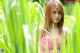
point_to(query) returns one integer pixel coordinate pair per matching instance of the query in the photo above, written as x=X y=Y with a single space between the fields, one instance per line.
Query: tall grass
x=16 y=14
x=78 y=25
x=14 y=38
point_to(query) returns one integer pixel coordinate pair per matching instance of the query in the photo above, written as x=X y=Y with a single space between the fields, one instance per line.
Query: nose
x=57 y=14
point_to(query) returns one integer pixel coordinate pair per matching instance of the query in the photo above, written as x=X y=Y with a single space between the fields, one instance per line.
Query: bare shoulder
x=65 y=30
x=41 y=28
x=35 y=31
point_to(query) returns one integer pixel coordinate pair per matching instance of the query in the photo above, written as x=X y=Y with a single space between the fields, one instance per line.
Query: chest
x=47 y=42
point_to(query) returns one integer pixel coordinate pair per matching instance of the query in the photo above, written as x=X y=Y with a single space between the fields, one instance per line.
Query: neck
x=54 y=29
x=54 y=26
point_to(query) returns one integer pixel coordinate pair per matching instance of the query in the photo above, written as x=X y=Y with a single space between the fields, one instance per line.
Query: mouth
x=56 y=19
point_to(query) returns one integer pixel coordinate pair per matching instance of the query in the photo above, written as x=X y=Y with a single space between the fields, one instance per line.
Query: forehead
x=54 y=9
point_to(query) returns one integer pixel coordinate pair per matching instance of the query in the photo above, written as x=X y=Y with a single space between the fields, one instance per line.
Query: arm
x=65 y=33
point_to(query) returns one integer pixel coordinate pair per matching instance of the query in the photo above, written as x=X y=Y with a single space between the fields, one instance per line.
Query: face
x=55 y=15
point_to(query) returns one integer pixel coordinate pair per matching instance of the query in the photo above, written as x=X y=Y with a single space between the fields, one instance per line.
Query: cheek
x=52 y=16
x=60 y=17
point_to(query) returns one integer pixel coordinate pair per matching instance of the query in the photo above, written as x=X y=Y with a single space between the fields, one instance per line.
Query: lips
x=56 y=19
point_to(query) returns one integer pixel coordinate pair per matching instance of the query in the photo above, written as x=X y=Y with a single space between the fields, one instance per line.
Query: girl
x=52 y=28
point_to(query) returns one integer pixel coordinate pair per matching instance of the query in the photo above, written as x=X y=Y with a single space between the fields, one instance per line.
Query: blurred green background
x=18 y=18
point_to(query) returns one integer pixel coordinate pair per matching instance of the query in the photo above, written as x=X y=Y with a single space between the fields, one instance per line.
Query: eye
x=59 y=12
x=54 y=12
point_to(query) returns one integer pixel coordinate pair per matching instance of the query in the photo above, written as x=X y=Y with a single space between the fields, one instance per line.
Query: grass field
x=18 y=18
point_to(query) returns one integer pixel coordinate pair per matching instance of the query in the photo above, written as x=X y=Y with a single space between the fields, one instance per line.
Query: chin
x=56 y=22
